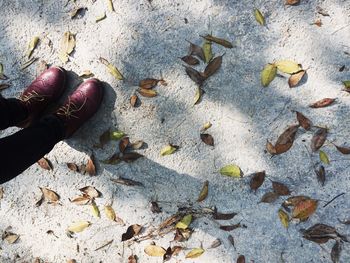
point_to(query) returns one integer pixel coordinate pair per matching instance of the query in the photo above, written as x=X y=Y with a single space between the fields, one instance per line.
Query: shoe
x=44 y=90
x=80 y=106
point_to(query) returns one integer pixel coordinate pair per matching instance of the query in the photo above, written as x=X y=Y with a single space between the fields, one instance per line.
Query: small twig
x=333 y=199
x=108 y=243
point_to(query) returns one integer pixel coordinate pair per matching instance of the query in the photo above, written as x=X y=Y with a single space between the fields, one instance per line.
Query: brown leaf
x=204 y=192
x=336 y=250
x=148 y=93
x=114 y=159
x=270 y=148
x=219 y=41
x=50 y=195
x=343 y=149
x=190 y=60
x=197 y=51
x=318 y=139
x=216 y=243
x=320 y=233
x=170 y=221
x=125 y=181
x=257 y=180
x=155 y=208
x=230 y=227
x=134 y=100
x=321 y=175
x=213 y=66
x=207 y=139
x=284 y=141
x=167 y=255
x=81 y=200
x=195 y=75
x=231 y=239
x=295 y=78
x=280 y=188
x=132 y=259
x=318 y=22
x=123 y=144
x=292 y=2
x=104 y=138
x=77 y=12
x=182 y=235
x=90 y=166
x=294 y=200
x=91 y=191
x=132 y=231
x=148 y=83
x=241 y=259
x=322 y=103
x=45 y=164
x=221 y=216
x=269 y=197
x=73 y=167
x=304 y=209
x=130 y=157
x=303 y=121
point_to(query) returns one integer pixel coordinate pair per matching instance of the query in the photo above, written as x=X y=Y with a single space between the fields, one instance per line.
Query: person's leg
x=27 y=146
x=12 y=112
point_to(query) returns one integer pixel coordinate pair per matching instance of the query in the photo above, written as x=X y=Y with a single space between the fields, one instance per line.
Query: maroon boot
x=80 y=106
x=44 y=90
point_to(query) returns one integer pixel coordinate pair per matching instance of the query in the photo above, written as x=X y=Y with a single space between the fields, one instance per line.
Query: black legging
x=22 y=149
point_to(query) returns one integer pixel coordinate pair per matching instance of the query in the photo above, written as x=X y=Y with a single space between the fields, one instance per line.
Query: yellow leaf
x=110 y=5
x=268 y=74
x=155 y=251
x=206 y=126
x=198 y=95
x=32 y=45
x=204 y=192
x=79 y=226
x=324 y=157
x=284 y=218
x=169 y=149
x=112 y=69
x=116 y=135
x=288 y=66
x=231 y=170
x=208 y=54
x=67 y=46
x=100 y=18
x=110 y=213
x=95 y=210
x=184 y=222
x=195 y=253
x=259 y=17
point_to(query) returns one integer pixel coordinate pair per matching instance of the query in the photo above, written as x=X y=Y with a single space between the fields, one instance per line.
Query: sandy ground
x=146 y=41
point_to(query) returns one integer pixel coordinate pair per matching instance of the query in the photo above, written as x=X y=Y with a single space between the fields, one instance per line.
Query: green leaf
x=184 y=222
x=208 y=55
x=268 y=74
x=345 y=82
x=231 y=170
x=324 y=157
x=32 y=45
x=288 y=66
x=169 y=149
x=116 y=135
x=259 y=17
x=194 y=253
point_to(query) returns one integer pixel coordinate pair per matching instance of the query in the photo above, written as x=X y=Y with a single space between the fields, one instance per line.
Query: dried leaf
x=292 y=2
x=198 y=95
x=208 y=54
x=270 y=148
x=336 y=250
x=149 y=93
x=155 y=208
x=284 y=217
x=321 y=174
x=195 y=75
x=322 y=103
x=90 y=191
x=318 y=22
x=77 y=11
x=132 y=259
x=28 y=63
x=318 y=139
x=50 y=195
x=223 y=216
x=11 y=238
x=324 y=157
x=286 y=139
x=280 y=188
x=303 y=121
x=79 y=226
x=73 y=167
x=155 y=251
x=137 y=145
x=197 y=51
x=295 y=78
x=195 y=253
x=123 y=144
x=213 y=66
x=241 y=259
x=134 y=100
x=110 y=5
x=45 y=164
x=259 y=17
x=100 y=18
x=112 y=69
x=148 y=83
x=231 y=240
x=94 y=209
x=343 y=149
x=294 y=200
x=321 y=11
x=132 y=231
x=67 y=46
x=320 y=233
x=86 y=74
x=206 y=126
x=207 y=139
x=231 y=170
x=288 y=66
x=230 y=227
x=182 y=235
x=32 y=45
x=81 y=200
x=169 y=149
x=125 y=181
x=130 y=157
x=216 y=243
x=304 y=209
x=114 y=159
x=269 y=197
x=257 y=180
x=90 y=167
x=110 y=213
x=184 y=222
x=190 y=60
x=219 y=41
x=204 y=192
x=268 y=74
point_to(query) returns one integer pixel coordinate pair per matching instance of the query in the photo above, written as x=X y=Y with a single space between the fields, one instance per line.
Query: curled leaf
x=304 y=121
x=190 y=60
x=112 y=69
x=321 y=174
x=322 y=103
x=110 y=5
x=197 y=51
x=169 y=149
x=318 y=139
x=67 y=46
x=184 y=222
x=204 y=192
x=259 y=17
x=257 y=180
x=268 y=74
x=284 y=217
x=219 y=41
x=343 y=149
x=195 y=253
x=295 y=78
x=213 y=66
x=100 y=18
x=288 y=66
x=195 y=75
x=45 y=164
x=148 y=83
x=32 y=45
x=79 y=226
x=304 y=209
x=149 y=93
x=198 y=95
x=49 y=194
x=91 y=191
x=132 y=231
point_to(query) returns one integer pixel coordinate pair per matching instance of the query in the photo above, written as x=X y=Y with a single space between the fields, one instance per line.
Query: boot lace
x=68 y=109
x=32 y=96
